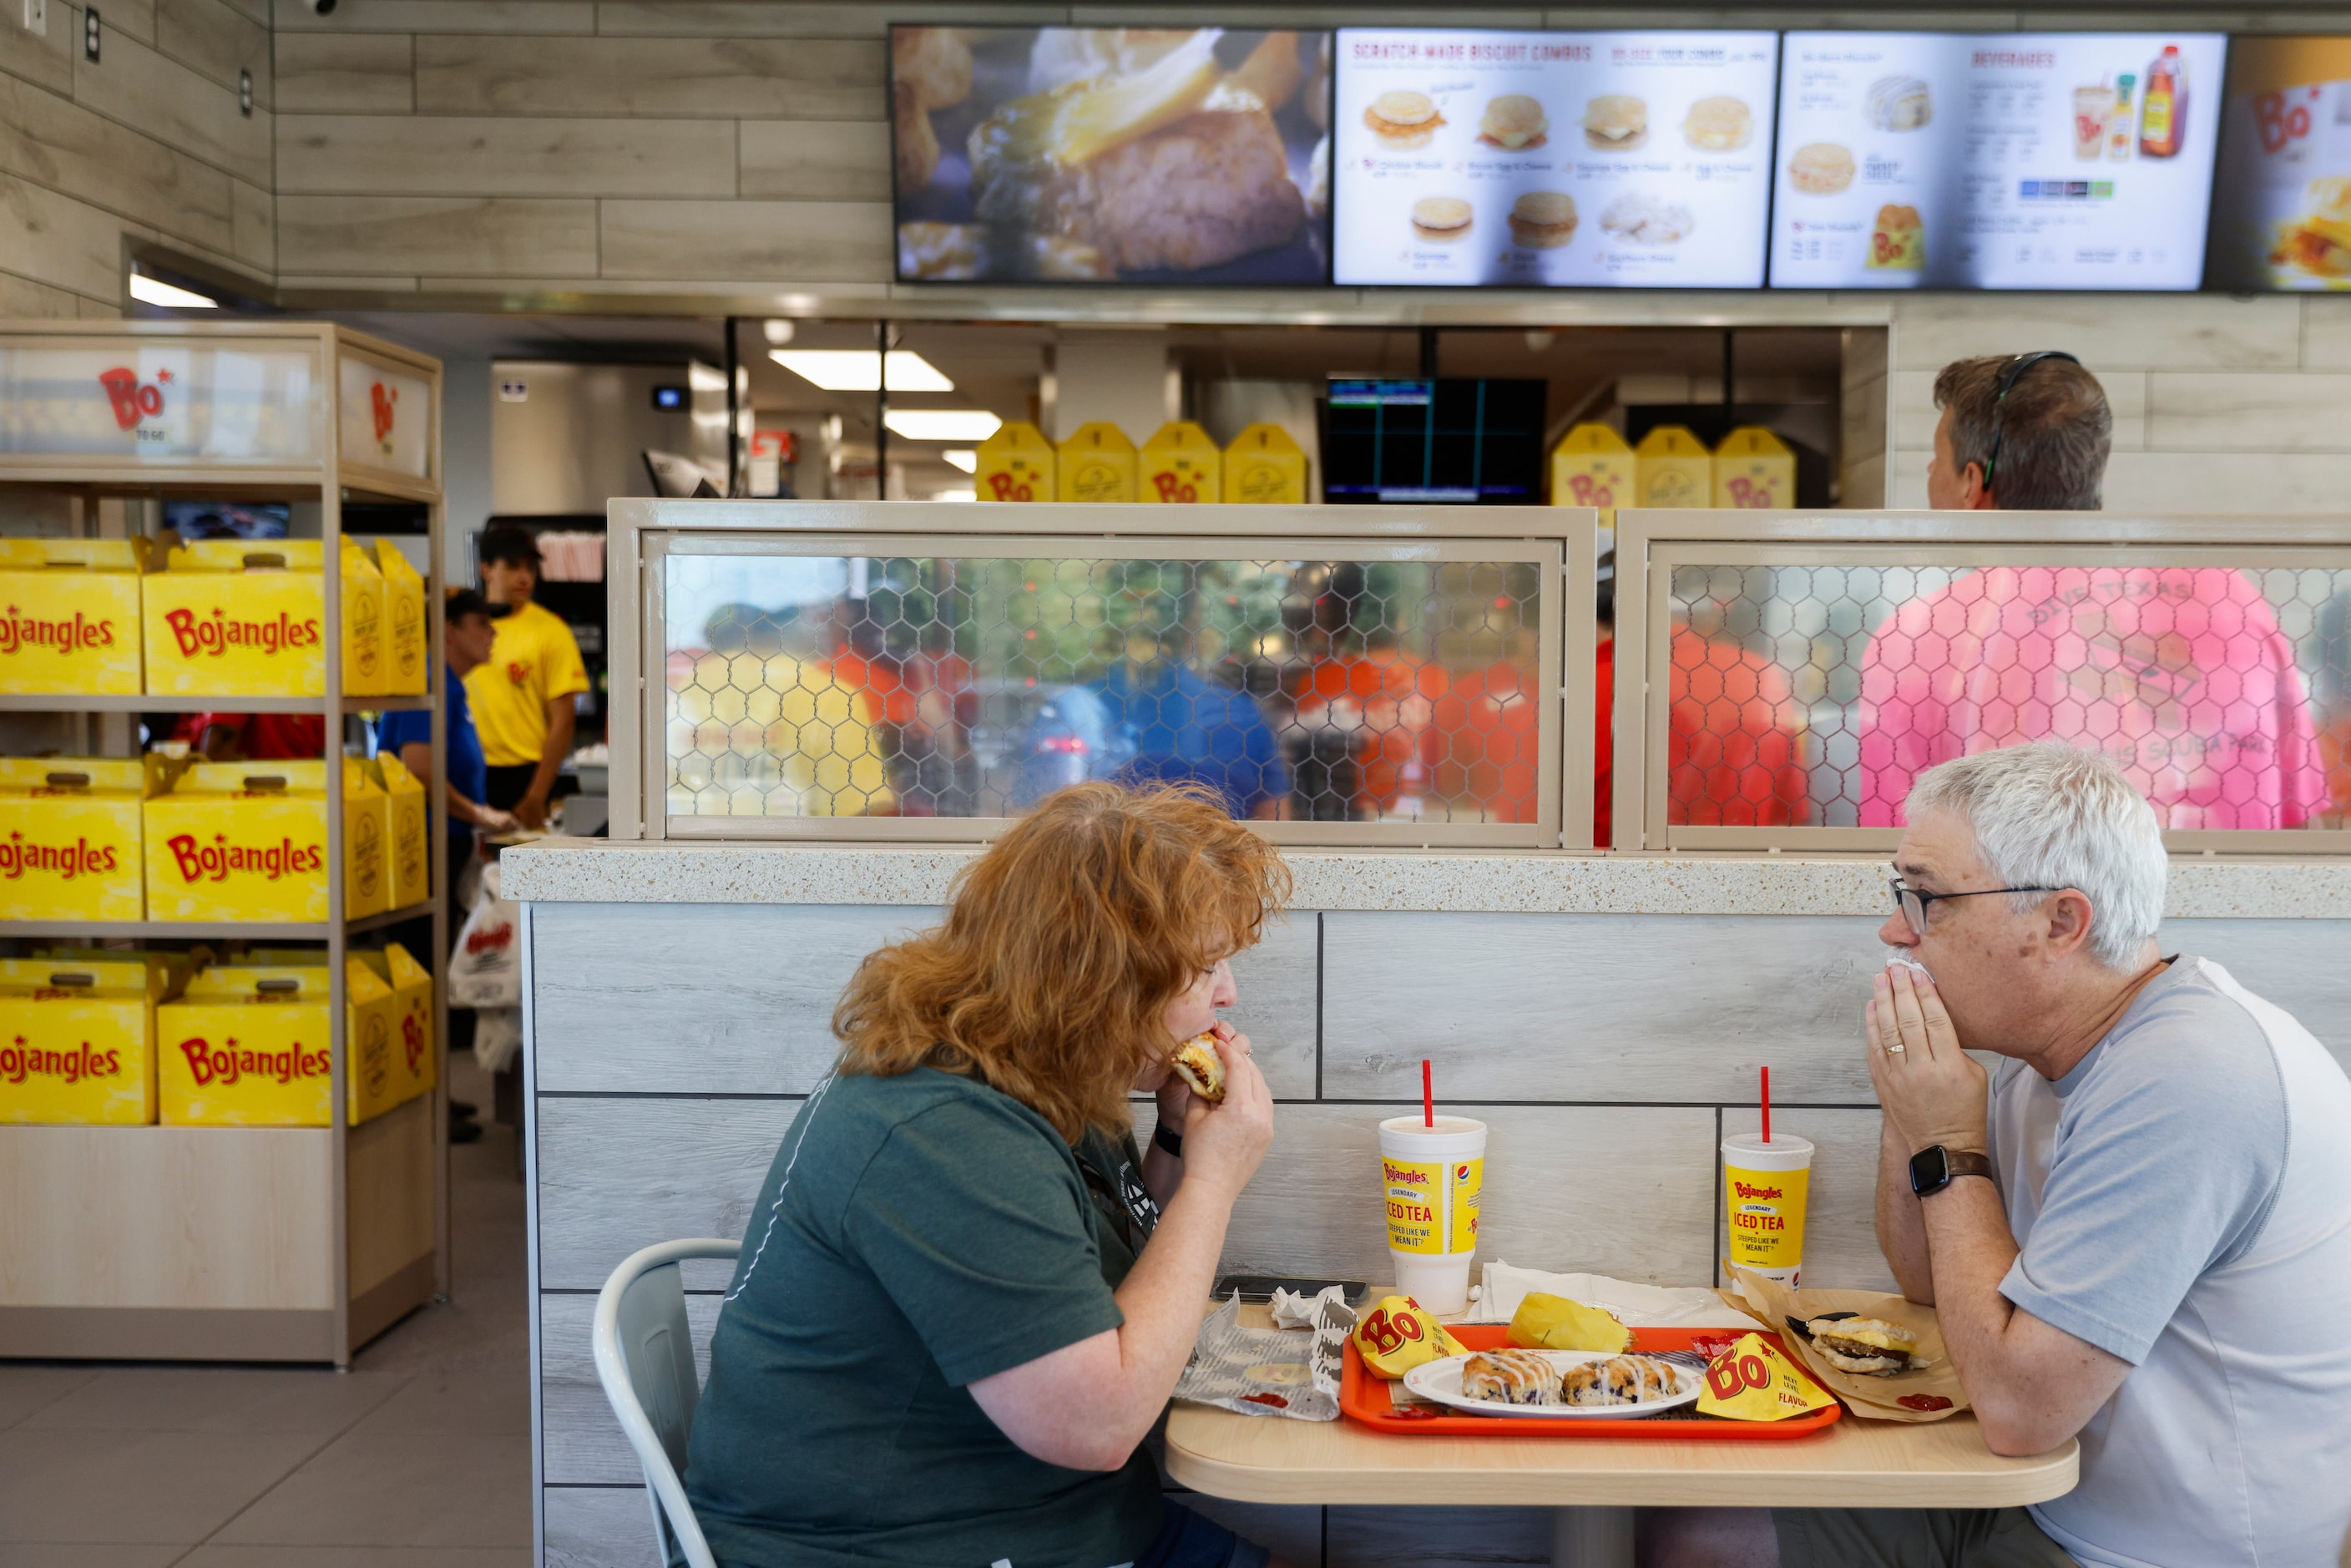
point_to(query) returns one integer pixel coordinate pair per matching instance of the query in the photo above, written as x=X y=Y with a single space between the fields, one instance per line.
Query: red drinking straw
x=1427 y=1097
x=1767 y=1104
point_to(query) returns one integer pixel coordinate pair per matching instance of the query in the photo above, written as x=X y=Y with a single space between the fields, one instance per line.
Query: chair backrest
x=645 y=1359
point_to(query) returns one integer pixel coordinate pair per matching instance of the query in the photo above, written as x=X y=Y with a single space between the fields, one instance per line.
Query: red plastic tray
x=1365 y=1399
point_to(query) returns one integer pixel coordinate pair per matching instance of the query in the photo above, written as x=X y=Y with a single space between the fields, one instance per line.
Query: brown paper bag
x=1771 y=1303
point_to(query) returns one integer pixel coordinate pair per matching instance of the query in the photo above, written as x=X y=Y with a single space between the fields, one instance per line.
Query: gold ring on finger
x=1893 y=1051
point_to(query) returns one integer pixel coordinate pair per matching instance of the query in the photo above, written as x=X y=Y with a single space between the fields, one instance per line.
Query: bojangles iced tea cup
x=1433 y=1177
x=1763 y=1190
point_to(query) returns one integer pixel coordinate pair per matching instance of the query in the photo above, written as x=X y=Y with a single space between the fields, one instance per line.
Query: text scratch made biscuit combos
x=1476 y=157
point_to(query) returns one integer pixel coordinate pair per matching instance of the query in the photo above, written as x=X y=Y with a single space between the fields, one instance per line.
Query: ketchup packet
x=1752 y=1381
x=1398 y=1334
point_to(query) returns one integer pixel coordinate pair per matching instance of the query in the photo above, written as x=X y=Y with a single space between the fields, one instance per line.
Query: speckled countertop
x=583 y=870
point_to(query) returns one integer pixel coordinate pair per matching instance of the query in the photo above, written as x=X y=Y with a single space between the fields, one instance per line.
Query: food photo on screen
x=2077 y=161
x=1637 y=160
x=1191 y=155
x=2281 y=205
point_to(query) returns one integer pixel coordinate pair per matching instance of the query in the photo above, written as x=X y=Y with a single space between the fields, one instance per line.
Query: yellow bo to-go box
x=412 y=1064
x=248 y=840
x=408 y=832
x=1096 y=464
x=70 y=617
x=403 y=621
x=1264 y=466
x=71 y=836
x=1016 y=463
x=1674 y=467
x=1753 y=467
x=1180 y=464
x=1592 y=466
x=250 y=1046
x=247 y=618
x=77 y=1042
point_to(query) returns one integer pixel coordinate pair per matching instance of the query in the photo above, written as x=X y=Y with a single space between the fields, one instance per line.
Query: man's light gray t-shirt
x=2183 y=1200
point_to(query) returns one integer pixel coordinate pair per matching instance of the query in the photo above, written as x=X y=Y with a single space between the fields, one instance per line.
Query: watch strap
x=1172 y=1142
x=1957 y=1163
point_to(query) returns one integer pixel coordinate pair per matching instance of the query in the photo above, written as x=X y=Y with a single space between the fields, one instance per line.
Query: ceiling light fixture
x=156 y=291
x=942 y=423
x=858 y=369
x=777 y=331
x=962 y=457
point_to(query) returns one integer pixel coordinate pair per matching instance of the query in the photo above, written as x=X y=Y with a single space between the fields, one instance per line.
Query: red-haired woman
x=964 y=1297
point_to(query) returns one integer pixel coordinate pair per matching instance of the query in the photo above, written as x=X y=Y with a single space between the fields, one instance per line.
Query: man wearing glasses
x=2136 y=1231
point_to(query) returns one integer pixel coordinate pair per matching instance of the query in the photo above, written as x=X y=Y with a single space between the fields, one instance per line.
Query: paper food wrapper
x=1771 y=1303
x=1753 y=1382
x=1271 y=1372
x=1398 y=1334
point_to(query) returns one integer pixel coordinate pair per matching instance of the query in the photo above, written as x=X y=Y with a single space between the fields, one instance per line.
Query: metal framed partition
x=1411 y=677
x=1786 y=674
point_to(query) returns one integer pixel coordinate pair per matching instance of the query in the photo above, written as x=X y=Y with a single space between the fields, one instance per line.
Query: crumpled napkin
x=1502 y=1287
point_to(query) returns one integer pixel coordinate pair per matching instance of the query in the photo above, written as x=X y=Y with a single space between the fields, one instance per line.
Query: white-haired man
x=2137 y=1231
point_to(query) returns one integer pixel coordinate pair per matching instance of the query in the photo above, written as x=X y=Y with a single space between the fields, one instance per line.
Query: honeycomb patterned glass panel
x=932 y=687
x=1814 y=696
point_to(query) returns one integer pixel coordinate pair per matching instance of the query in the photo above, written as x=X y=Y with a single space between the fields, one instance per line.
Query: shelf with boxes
x=271 y=1183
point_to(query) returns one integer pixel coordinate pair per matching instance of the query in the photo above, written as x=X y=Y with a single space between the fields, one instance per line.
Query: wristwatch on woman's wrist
x=1935 y=1167
x=1170 y=1141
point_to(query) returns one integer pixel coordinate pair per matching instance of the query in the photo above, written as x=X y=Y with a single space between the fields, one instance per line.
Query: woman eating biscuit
x=964 y=1296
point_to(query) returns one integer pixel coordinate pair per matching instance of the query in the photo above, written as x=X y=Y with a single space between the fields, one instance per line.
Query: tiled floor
x=417 y=1458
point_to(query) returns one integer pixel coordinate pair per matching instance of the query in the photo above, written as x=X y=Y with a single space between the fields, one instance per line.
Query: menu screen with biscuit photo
x=1184 y=155
x=2061 y=161
x=2282 y=207
x=1552 y=159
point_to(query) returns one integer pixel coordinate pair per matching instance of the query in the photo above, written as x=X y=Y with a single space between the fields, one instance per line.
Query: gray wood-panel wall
x=673 y=1044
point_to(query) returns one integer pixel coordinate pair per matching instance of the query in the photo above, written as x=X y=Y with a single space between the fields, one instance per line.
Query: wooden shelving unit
x=239 y=1243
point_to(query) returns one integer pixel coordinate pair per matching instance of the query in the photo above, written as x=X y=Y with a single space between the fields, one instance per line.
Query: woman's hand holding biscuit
x=1224 y=1144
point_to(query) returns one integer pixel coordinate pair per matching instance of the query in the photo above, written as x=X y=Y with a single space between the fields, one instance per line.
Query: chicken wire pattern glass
x=931 y=686
x=1814 y=696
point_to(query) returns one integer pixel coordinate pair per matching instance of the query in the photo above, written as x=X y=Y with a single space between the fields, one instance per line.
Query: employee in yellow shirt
x=522 y=696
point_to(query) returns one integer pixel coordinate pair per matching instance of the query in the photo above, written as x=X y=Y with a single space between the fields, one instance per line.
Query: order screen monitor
x=1448 y=442
x=2078 y=161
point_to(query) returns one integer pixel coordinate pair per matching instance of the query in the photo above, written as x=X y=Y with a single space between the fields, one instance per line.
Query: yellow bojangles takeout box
x=1016 y=463
x=247 y=618
x=1264 y=466
x=71 y=835
x=70 y=617
x=1675 y=469
x=250 y=1046
x=403 y=621
x=412 y=1065
x=248 y=840
x=1753 y=467
x=78 y=1040
x=1592 y=466
x=1095 y=463
x=408 y=832
x=1180 y=463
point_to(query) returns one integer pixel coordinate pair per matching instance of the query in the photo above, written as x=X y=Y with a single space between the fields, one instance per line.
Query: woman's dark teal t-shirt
x=915 y=1235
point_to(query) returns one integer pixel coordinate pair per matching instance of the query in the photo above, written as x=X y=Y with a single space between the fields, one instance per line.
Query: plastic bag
x=498 y=1036
x=485 y=970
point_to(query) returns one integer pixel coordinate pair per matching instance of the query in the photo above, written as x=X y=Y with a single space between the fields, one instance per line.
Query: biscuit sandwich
x=2320 y=243
x=1616 y=123
x=1404 y=118
x=1821 y=168
x=1441 y=218
x=1719 y=124
x=1201 y=1069
x=1542 y=220
x=1871 y=1347
x=1514 y=122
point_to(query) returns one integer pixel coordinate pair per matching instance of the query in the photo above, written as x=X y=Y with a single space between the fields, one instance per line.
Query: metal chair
x=645 y=1359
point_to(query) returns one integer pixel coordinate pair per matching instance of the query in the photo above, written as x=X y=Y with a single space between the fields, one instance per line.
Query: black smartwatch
x=1935 y=1167
x=1172 y=1141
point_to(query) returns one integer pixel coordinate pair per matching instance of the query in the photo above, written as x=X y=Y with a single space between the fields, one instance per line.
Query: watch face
x=1931 y=1170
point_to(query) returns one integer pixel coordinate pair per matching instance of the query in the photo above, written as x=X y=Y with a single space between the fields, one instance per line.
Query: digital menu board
x=1624 y=159
x=2052 y=161
x=1158 y=155
x=2282 y=208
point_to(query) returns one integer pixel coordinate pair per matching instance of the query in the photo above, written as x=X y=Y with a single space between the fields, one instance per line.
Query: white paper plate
x=1440 y=1381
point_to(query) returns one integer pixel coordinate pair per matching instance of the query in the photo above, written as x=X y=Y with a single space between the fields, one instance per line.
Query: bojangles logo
x=382 y=399
x=132 y=401
x=1754 y=1192
x=20 y=631
x=20 y=1061
x=229 y=1064
x=66 y=861
x=216 y=635
x=217 y=861
x=1404 y=1176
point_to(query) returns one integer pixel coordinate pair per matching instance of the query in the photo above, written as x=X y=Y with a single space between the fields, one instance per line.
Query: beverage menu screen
x=2282 y=209
x=1529 y=160
x=1995 y=161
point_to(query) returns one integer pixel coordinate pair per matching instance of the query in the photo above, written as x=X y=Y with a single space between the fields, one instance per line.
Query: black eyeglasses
x=1913 y=904
x=2016 y=367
